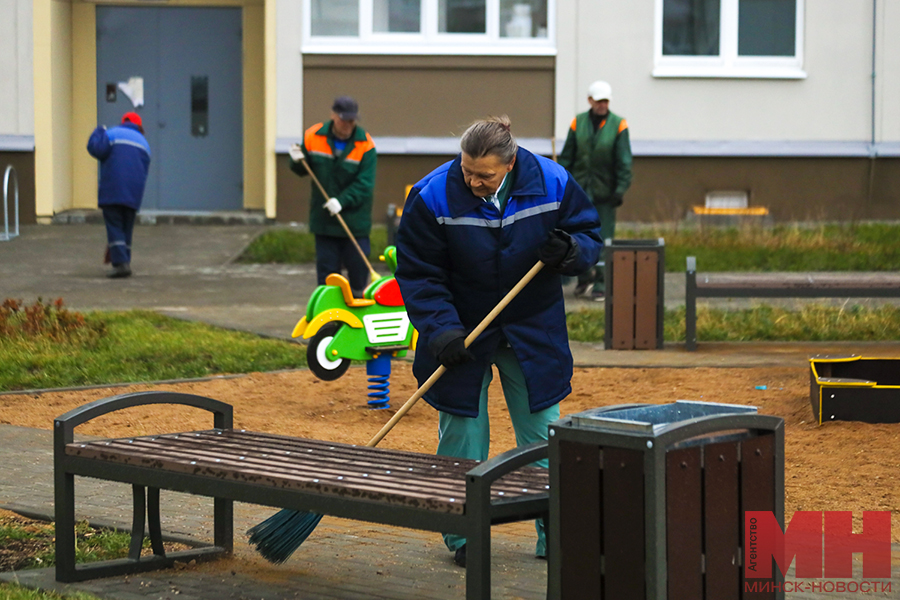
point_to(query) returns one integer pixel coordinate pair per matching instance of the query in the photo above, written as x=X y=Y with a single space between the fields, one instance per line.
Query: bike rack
x=6 y=235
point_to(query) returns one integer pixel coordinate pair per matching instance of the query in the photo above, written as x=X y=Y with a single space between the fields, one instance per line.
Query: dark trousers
x=333 y=253
x=119 y=227
x=596 y=275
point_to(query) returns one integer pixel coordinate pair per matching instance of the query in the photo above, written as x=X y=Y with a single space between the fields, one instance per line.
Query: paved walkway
x=188 y=272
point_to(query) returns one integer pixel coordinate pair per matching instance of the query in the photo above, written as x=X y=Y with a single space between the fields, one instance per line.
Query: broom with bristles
x=280 y=535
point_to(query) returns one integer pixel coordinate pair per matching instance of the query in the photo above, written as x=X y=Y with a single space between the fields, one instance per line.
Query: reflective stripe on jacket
x=124 y=156
x=458 y=256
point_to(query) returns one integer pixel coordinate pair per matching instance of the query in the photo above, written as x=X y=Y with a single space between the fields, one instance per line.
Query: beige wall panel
x=394 y=174
x=26 y=62
x=254 y=107
x=888 y=73
x=61 y=14
x=794 y=189
x=271 y=103
x=9 y=67
x=567 y=77
x=16 y=68
x=84 y=106
x=290 y=68
x=433 y=96
x=615 y=42
x=53 y=101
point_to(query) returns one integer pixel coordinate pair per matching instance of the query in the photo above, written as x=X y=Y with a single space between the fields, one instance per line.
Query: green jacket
x=349 y=177
x=599 y=160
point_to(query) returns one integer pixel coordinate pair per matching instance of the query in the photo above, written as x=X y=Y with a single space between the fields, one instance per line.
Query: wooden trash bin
x=647 y=501
x=635 y=294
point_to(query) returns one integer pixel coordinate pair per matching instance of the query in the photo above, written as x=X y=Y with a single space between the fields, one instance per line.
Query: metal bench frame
x=753 y=289
x=481 y=511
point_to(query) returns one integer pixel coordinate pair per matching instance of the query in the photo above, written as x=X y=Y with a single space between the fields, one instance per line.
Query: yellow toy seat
x=338 y=280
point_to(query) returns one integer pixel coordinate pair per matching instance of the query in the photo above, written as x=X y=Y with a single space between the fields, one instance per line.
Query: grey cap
x=346 y=108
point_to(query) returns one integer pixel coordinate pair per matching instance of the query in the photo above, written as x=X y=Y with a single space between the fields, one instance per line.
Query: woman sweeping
x=470 y=230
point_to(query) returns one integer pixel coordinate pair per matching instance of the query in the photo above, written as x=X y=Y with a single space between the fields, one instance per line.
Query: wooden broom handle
x=340 y=219
x=468 y=342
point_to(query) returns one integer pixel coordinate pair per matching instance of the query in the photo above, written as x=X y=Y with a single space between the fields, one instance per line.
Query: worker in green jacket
x=342 y=156
x=598 y=154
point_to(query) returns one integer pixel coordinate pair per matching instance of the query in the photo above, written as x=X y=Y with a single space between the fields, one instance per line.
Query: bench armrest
x=64 y=425
x=493 y=469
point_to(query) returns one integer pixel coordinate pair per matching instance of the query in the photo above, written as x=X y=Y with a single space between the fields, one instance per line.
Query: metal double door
x=189 y=63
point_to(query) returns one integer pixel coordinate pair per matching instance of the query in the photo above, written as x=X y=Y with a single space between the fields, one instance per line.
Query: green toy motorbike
x=341 y=328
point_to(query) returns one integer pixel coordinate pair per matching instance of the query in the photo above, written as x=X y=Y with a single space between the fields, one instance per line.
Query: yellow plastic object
x=331 y=316
x=341 y=282
x=754 y=211
x=824 y=383
x=299 y=328
x=415 y=340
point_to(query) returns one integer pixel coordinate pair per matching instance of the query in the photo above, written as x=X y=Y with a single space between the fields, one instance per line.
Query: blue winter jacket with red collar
x=457 y=257
x=124 y=156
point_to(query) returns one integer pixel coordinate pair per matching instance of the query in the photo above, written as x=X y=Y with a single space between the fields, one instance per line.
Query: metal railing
x=6 y=235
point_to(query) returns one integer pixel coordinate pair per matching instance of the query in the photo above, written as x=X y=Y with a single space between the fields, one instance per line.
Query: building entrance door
x=189 y=64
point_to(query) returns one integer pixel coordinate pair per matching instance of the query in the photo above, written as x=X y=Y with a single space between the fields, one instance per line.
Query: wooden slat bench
x=406 y=489
x=762 y=285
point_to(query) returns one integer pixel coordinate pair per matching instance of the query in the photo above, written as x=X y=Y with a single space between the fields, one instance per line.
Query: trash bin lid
x=651 y=418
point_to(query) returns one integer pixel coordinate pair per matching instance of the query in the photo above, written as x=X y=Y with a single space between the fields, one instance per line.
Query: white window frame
x=429 y=40
x=728 y=64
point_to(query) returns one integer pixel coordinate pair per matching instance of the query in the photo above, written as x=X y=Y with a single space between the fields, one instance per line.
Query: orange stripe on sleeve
x=572 y=126
x=623 y=125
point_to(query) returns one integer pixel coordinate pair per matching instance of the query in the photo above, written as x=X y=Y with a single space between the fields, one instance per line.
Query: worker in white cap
x=598 y=154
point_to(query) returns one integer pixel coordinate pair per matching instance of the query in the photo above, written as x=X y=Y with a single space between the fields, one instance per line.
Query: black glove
x=560 y=250
x=452 y=350
x=617 y=200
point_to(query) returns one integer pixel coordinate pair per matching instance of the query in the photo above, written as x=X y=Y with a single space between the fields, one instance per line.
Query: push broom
x=340 y=219
x=280 y=535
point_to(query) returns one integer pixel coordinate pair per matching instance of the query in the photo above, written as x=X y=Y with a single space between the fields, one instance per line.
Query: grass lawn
x=861 y=247
x=814 y=322
x=29 y=544
x=9 y=591
x=69 y=349
x=119 y=347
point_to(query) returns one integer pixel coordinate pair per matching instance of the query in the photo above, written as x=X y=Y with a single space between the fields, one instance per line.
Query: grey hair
x=490 y=136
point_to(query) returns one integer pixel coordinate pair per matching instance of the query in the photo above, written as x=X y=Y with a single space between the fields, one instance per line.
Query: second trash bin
x=647 y=501
x=635 y=294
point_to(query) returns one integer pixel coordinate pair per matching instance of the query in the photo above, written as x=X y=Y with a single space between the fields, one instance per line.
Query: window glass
x=335 y=17
x=461 y=16
x=767 y=27
x=396 y=16
x=691 y=27
x=523 y=18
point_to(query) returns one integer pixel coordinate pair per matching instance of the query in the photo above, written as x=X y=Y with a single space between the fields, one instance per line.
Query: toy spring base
x=378 y=370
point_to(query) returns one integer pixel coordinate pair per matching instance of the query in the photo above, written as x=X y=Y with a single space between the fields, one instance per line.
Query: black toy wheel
x=320 y=364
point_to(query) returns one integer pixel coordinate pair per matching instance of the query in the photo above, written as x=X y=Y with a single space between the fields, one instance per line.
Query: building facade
x=783 y=104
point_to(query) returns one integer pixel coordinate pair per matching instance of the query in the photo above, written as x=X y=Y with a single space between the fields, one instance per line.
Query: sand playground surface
x=836 y=466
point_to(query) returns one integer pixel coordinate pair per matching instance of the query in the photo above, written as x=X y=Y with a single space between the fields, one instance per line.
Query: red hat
x=132 y=117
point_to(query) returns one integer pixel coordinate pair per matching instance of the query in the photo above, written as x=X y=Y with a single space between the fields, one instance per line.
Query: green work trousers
x=467 y=437
x=596 y=275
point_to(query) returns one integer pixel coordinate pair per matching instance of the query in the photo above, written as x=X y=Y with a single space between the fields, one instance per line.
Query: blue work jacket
x=457 y=257
x=124 y=156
